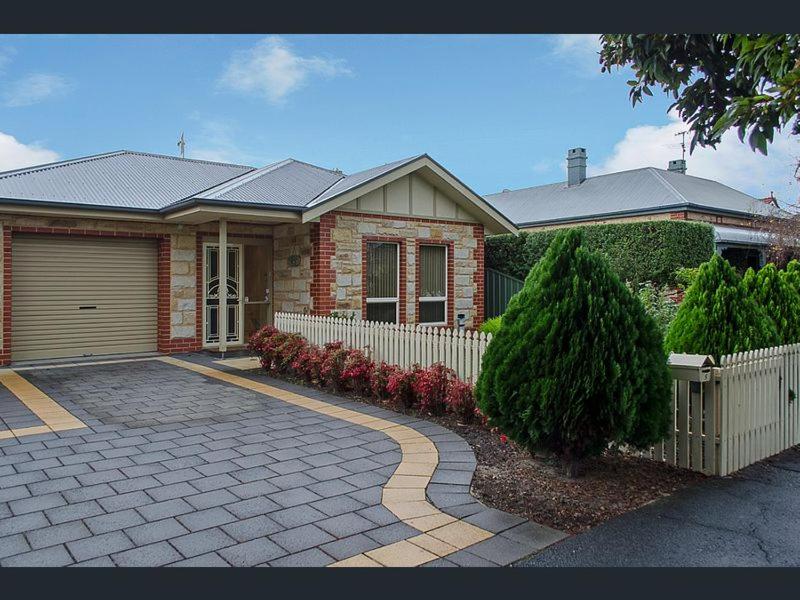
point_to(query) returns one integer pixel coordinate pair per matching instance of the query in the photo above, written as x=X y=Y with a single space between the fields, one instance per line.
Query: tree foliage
x=638 y=252
x=776 y=294
x=718 y=316
x=750 y=82
x=577 y=363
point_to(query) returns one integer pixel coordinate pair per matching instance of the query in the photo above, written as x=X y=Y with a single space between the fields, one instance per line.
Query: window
x=383 y=281
x=433 y=285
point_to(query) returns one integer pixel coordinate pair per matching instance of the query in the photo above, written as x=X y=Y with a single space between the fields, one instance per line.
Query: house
x=644 y=194
x=120 y=252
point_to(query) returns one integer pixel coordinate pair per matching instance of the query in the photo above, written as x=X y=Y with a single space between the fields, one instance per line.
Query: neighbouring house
x=645 y=194
x=120 y=252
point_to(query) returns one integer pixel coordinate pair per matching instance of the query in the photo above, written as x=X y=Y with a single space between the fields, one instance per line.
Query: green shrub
x=780 y=300
x=578 y=363
x=685 y=276
x=491 y=325
x=638 y=252
x=718 y=317
x=657 y=303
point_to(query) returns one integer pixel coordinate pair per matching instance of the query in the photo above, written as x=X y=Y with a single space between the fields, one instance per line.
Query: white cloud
x=215 y=140
x=16 y=155
x=732 y=163
x=580 y=51
x=272 y=70
x=35 y=88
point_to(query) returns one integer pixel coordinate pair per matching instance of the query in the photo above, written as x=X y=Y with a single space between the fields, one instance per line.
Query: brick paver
x=176 y=468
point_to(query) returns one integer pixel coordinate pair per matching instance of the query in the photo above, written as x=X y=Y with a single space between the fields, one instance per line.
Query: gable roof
x=645 y=190
x=139 y=181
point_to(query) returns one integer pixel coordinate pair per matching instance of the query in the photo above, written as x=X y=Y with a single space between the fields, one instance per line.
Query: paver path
x=188 y=462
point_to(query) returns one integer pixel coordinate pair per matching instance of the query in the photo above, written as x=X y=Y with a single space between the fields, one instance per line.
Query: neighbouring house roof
x=140 y=181
x=642 y=191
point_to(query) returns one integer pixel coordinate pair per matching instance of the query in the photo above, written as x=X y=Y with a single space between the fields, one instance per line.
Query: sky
x=498 y=111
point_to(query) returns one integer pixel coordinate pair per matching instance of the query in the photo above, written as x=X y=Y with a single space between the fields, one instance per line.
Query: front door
x=211 y=283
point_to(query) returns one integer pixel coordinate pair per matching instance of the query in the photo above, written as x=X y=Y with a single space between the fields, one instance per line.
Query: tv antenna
x=683 y=143
x=182 y=145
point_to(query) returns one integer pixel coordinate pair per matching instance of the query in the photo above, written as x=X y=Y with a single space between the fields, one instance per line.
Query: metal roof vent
x=677 y=166
x=576 y=166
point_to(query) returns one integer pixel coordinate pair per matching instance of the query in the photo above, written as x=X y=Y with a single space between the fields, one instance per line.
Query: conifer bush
x=718 y=316
x=577 y=364
x=775 y=293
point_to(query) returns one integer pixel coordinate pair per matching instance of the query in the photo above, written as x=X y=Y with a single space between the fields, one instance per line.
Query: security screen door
x=211 y=283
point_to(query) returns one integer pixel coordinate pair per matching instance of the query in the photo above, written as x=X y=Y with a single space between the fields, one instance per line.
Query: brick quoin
x=323 y=277
x=163 y=342
x=479 y=281
x=451 y=302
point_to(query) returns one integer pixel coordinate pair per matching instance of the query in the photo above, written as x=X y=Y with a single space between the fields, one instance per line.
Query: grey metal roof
x=636 y=191
x=350 y=182
x=123 y=179
x=289 y=183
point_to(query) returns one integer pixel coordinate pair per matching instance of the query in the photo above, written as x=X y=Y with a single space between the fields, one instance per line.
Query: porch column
x=222 y=269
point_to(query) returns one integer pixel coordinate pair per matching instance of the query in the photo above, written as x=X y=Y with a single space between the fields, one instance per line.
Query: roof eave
x=638 y=212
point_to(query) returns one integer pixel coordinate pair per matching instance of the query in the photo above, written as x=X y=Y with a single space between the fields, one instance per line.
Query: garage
x=80 y=296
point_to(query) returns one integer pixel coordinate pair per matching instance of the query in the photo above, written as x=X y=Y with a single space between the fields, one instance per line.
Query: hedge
x=638 y=252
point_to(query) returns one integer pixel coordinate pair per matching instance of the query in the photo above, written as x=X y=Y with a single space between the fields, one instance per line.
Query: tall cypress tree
x=773 y=290
x=578 y=363
x=718 y=316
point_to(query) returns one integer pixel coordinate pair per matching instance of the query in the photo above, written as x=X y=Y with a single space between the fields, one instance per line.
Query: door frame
x=240 y=304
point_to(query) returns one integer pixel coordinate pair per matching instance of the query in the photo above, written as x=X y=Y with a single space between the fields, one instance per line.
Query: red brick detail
x=163 y=342
x=198 y=287
x=403 y=218
x=5 y=352
x=323 y=277
x=479 y=278
x=402 y=297
x=678 y=216
x=451 y=297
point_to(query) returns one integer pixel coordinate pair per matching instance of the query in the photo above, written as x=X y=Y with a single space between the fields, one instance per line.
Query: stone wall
x=183 y=289
x=347 y=233
x=292 y=268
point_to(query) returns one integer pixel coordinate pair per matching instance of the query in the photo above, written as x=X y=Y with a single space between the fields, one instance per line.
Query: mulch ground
x=510 y=479
x=537 y=488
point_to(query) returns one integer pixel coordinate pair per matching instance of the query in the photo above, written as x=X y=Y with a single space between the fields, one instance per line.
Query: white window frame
x=446 y=286
x=396 y=299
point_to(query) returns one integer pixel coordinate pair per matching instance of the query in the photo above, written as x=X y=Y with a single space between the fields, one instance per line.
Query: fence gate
x=498 y=291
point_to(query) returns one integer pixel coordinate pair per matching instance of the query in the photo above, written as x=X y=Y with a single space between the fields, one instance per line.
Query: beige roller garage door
x=82 y=296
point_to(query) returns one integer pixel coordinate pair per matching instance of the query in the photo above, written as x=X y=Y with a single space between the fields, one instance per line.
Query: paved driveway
x=176 y=467
x=749 y=519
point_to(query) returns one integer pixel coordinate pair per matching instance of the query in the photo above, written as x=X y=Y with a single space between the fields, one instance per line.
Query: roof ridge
x=670 y=188
x=59 y=163
x=183 y=158
x=302 y=162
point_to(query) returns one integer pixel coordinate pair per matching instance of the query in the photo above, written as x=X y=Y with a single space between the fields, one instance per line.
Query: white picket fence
x=403 y=345
x=724 y=417
x=733 y=415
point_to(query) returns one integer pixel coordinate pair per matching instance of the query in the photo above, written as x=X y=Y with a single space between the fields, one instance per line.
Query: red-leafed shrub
x=334 y=356
x=380 y=379
x=287 y=347
x=357 y=372
x=401 y=388
x=308 y=364
x=461 y=401
x=256 y=342
x=431 y=386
